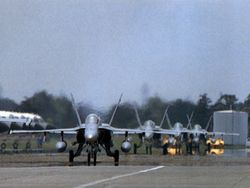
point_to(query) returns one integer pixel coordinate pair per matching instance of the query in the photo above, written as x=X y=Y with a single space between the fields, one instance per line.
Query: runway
x=53 y=170
x=126 y=176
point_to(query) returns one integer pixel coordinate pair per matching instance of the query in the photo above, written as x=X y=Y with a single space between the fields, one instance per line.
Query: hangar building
x=232 y=122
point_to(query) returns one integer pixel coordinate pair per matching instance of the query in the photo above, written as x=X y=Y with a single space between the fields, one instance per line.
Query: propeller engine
x=61 y=146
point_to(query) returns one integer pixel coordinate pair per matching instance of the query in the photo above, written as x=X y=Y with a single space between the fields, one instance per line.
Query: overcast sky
x=98 y=49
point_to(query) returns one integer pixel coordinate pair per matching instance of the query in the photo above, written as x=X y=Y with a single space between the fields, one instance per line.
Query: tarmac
x=53 y=170
x=127 y=176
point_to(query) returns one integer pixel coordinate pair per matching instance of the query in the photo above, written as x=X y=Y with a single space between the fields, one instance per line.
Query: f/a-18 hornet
x=151 y=133
x=91 y=136
x=197 y=134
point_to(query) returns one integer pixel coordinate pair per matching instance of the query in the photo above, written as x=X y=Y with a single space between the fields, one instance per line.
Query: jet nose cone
x=171 y=140
x=196 y=139
x=148 y=135
x=90 y=138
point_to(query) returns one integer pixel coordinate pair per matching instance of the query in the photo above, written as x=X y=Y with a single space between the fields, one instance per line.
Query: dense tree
x=65 y=115
x=179 y=110
x=58 y=111
x=153 y=109
x=40 y=103
x=202 y=110
x=246 y=108
x=85 y=109
x=225 y=102
x=124 y=117
x=8 y=104
x=246 y=104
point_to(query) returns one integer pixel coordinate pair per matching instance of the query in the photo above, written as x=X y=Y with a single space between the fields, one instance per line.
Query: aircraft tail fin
x=137 y=116
x=75 y=109
x=169 y=122
x=189 y=120
x=164 y=115
x=208 y=123
x=113 y=115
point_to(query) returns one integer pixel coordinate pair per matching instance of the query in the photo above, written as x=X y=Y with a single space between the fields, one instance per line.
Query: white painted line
x=117 y=177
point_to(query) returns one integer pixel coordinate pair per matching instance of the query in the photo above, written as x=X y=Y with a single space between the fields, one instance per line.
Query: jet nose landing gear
x=116 y=158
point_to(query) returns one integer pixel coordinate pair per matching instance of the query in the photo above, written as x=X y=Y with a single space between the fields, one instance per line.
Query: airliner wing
x=53 y=131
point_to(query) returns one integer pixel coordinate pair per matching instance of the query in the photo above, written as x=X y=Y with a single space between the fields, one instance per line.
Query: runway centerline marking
x=119 y=176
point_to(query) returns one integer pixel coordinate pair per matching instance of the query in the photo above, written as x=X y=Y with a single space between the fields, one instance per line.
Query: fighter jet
x=91 y=136
x=197 y=134
x=151 y=132
x=177 y=134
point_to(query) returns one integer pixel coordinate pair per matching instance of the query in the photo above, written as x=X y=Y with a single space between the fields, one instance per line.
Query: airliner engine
x=61 y=146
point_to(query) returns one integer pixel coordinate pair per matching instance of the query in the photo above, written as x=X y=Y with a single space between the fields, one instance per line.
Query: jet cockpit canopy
x=93 y=118
x=178 y=126
x=197 y=127
x=149 y=123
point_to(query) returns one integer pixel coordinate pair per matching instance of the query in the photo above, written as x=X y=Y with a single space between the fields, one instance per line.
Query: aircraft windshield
x=149 y=123
x=197 y=127
x=178 y=126
x=92 y=118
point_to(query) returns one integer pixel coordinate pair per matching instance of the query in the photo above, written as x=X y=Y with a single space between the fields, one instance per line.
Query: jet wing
x=196 y=132
x=223 y=133
x=212 y=133
x=168 y=132
x=129 y=131
x=121 y=130
x=53 y=131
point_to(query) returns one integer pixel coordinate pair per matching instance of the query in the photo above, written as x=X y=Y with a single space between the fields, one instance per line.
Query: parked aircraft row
x=93 y=135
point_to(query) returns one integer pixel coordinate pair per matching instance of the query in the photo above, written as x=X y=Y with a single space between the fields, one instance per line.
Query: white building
x=230 y=121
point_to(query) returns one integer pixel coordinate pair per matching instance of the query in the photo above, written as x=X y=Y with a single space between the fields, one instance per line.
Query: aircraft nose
x=90 y=138
x=148 y=135
x=196 y=139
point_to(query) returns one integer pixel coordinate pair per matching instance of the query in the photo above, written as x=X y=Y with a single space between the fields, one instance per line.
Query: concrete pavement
x=126 y=176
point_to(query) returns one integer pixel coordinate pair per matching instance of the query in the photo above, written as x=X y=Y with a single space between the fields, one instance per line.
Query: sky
x=98 y=49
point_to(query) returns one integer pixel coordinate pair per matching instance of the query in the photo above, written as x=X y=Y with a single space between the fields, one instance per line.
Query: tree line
x=57 y=111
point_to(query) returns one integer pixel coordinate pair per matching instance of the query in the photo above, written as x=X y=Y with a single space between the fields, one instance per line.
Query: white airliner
x=20 y=118
x=90 y=136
